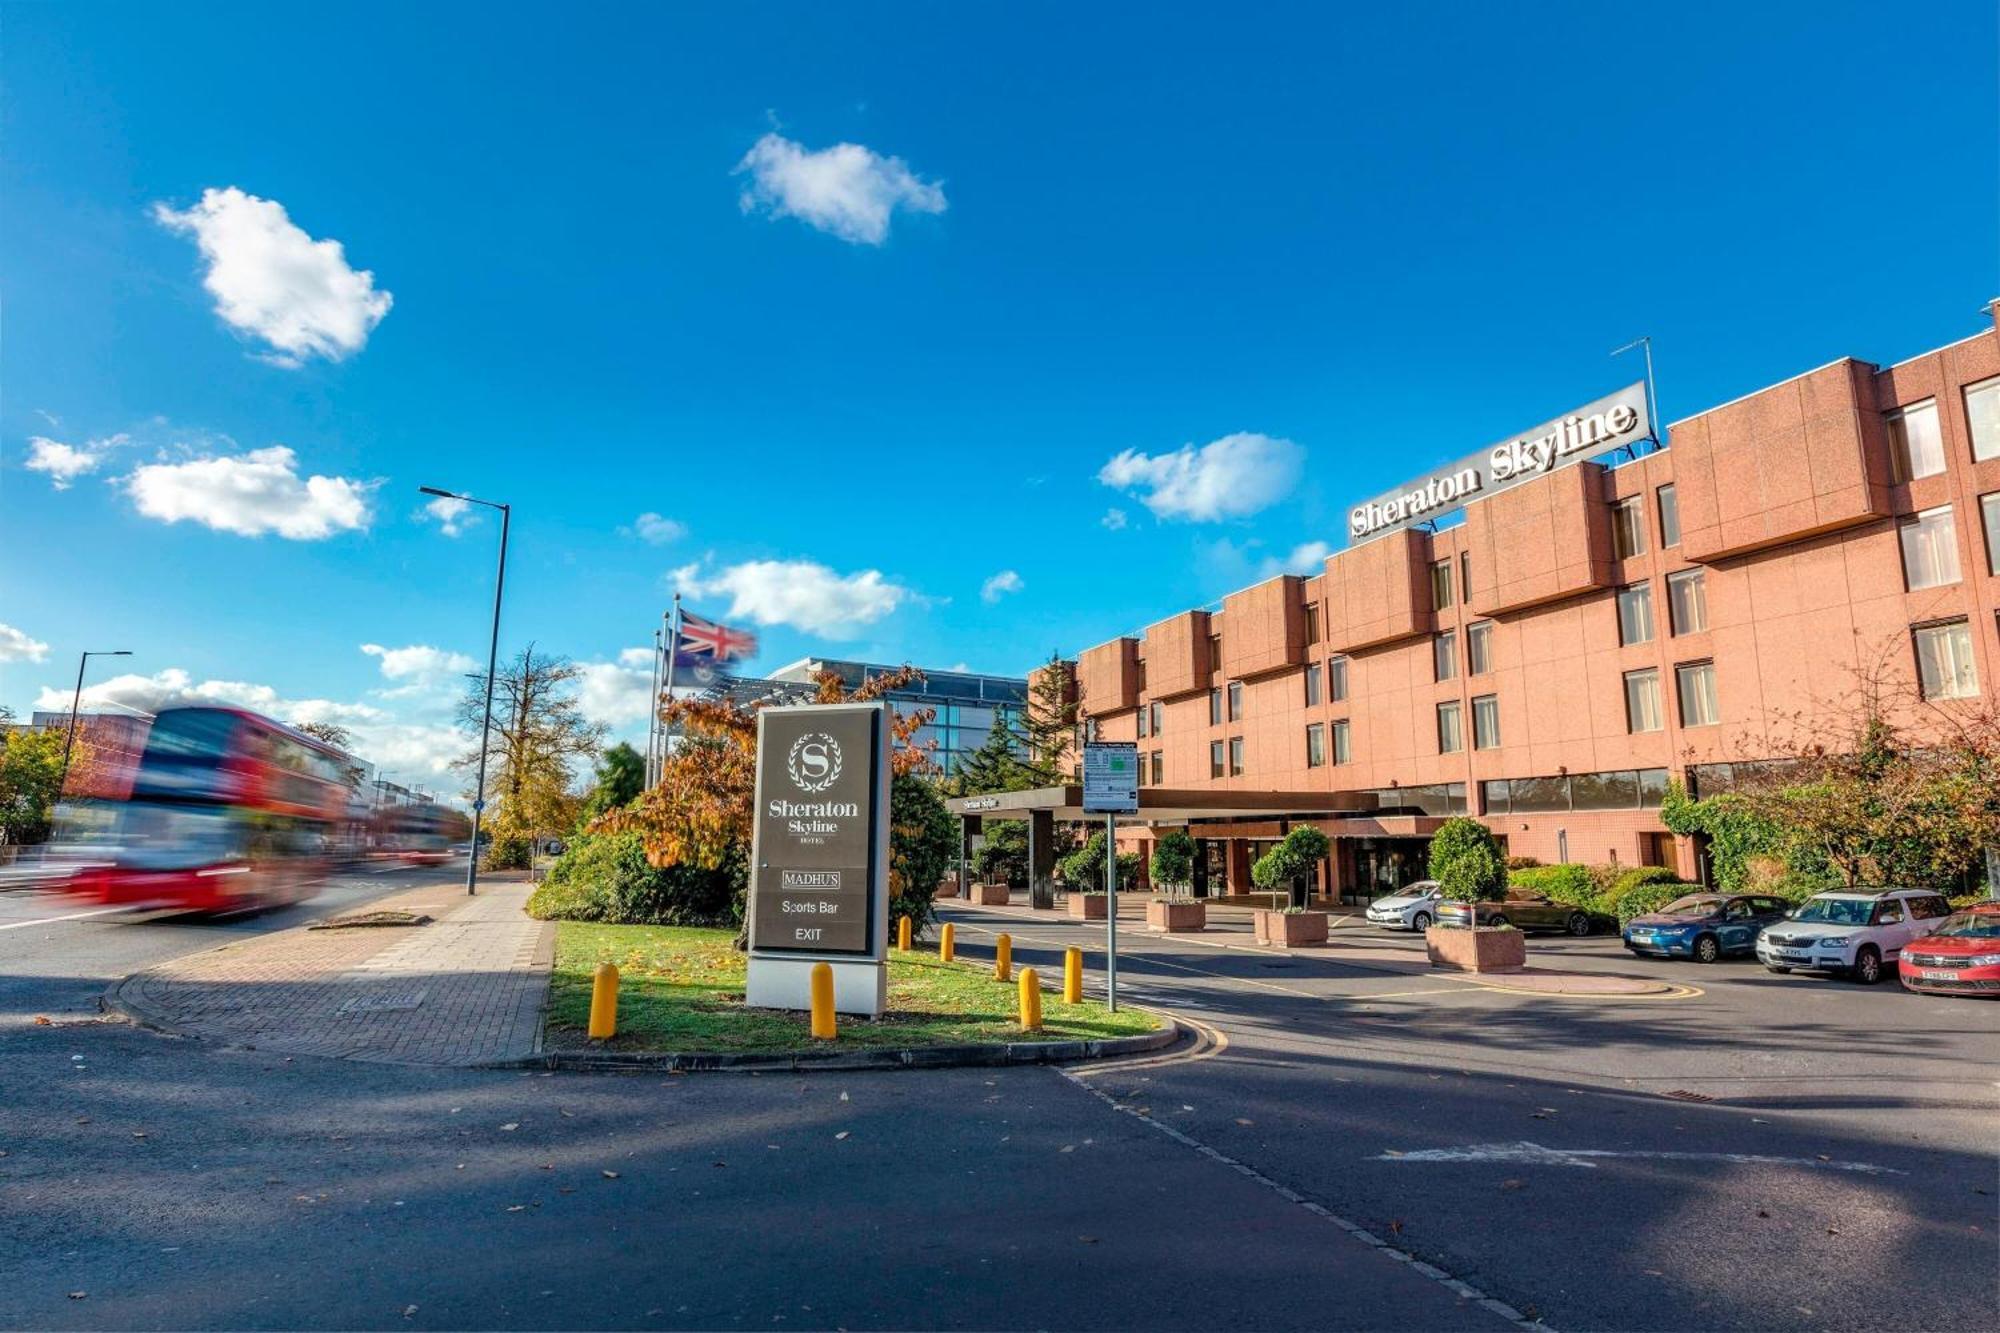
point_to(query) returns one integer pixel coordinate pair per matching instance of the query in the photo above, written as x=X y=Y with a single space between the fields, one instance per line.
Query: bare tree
x=540 y=737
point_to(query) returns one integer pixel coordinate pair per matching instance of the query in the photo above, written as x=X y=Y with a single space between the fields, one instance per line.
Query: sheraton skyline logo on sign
x=1611 y=422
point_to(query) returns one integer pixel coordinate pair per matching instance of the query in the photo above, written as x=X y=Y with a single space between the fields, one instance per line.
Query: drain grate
x=1683 y=1095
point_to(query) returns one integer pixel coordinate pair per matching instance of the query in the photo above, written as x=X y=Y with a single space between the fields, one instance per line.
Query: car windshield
x=1971 y=926
x=1837 y=911
x=1692 y=906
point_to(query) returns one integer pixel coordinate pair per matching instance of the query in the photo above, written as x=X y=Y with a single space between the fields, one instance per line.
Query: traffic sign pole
x=1111 y=787
x=1111 y=912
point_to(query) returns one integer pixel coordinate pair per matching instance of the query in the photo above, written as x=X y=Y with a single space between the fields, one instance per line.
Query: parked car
x=1411 y=908
x=1855 y=933
x=1531 y=912
x=1704 y=926
x=1959 y=957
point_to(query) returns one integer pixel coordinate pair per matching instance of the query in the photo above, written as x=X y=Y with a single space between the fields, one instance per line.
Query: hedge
x=606 y=877
x=1605 y=889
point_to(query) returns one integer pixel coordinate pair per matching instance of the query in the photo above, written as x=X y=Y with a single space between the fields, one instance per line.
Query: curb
x=912 y=1057
x=115 y=1000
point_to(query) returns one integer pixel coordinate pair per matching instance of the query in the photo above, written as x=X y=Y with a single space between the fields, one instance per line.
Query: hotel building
x=1543 y=634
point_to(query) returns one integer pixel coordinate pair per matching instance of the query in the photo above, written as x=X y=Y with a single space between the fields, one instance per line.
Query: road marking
x=51 y=920
x=1457 y=1286
x=1536 y=1155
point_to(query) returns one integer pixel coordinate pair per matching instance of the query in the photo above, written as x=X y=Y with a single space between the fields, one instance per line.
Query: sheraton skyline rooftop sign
x=1613 y=421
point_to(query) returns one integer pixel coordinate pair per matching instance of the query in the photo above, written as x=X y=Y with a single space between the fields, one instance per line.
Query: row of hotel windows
x=1916 y=443
x=1930 y=544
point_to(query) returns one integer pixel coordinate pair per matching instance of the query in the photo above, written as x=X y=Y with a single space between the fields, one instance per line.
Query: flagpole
x=673 y=653
x=653 y=719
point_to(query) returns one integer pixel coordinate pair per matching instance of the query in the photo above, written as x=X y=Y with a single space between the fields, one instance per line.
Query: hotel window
x=1465 y=575
x=1444 y=655
x=1486 y=722
x=1944 y=661
x=1214 y=707
x=1696 y=684
x=1343 y=750
x=1312 y=623
x=1642 y=701
x=1982 y=413
x=1916 y=447
x=1450 y=738
x=1670 y=516
x=1312 y=684
x=1930 y=549
x=1635 y=614
x=1989 y=508
x=1235 y=701
x=1159 y=768
x=1440 y=585
x=1143 y=712
x=1159 y=711
x=1479 y=647
x=1336 y=674
x=1687 y=601
x=1215 y=652
x=1628 y=528
x=1215 y=769
x=1316 y=745
x=1235 y=756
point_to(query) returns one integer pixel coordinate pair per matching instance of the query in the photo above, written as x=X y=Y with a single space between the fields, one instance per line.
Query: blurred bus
x=228 y=810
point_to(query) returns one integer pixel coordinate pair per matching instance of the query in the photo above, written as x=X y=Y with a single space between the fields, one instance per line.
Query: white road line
x=1536 y=1154
x=51 y=920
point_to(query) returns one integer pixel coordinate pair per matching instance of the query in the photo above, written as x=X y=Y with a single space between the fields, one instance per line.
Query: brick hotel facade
x=1549 y=662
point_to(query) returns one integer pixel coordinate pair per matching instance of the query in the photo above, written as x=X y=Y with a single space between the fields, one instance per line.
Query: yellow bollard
x=604 y=1002
x=903 y=933
x=1031 y=1000
x=1003 y=958
x=1072 y=976
x=824 y=1028
x=947 y=947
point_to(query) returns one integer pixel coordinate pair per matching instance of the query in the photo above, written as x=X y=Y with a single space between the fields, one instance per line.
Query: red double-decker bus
x=228 y=811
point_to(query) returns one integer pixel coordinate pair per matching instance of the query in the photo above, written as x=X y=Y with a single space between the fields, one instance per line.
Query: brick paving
x=467 y=989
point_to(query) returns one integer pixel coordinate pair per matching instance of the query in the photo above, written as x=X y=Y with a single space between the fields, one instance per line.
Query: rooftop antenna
x=1645 y=342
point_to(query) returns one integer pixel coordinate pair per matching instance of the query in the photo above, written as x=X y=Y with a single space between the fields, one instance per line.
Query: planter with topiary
x=1088 y=906
x=1290 y=866
x=1173 y=870
x=990 y=895
x=1467 y=864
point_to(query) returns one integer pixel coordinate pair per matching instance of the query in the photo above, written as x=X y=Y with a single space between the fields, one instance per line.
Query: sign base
x=860 y=986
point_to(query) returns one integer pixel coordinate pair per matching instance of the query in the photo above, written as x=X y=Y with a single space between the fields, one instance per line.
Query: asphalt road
x=1523 y=1145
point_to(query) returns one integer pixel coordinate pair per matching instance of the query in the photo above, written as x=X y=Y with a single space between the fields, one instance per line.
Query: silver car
x=1411 y=908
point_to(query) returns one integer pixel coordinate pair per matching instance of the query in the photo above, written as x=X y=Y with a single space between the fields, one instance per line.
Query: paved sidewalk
x=467 y=989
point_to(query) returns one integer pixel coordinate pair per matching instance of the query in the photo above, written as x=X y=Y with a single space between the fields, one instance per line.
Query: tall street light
x=492 y=661
x=75 y=701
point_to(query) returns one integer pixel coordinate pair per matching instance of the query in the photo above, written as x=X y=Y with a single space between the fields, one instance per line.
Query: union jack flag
x=703 y=645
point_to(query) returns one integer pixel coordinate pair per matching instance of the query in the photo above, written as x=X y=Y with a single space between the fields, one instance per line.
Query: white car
x=1411 y=908
x=1855 y=933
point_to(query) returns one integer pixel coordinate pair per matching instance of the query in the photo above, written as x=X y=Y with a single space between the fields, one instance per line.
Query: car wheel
x=1497 y=922
x=1707 y=949
x=1867 y=965
x=1770 y=968
x=1421 y=921
x=1579 y=923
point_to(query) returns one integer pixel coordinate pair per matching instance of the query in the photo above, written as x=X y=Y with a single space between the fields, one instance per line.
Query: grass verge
x=681 y=989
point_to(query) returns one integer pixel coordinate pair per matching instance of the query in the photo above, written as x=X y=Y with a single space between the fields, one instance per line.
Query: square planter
x=1172 y=914
x=990 y=895
x=1289 y=929
x=1486 y=949
x=1086 y=906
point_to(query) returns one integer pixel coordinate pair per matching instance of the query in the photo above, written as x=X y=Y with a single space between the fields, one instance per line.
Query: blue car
x=1705 y=926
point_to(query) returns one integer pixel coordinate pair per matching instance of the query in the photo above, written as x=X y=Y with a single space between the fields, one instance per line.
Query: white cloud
x=1000 y=585
x=801 y=593
x=1114 y=519
x=1305 y=558
x=453 y=515
x=1232 y=477
x=251 y=494
x=655 y=529
x=16 y=646
x=64 y=463
x=419 y=667
x=847 y=190
x=618 y=693
x=275 y=283
x=175 y=686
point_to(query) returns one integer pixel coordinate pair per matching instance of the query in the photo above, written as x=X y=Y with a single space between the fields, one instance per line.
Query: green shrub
x=606 y=877
x=1296 y=856
x=1522 y=862
x=922 y=838
x=1173 y=860
x=1466 y=862
x=506 y=851
x=1003 y=857
x=1650 y=898
x=1638 y=877
x=1571 y=885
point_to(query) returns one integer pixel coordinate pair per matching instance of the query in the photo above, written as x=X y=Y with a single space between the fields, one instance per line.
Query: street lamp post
x=492 y=662
x=76 y=701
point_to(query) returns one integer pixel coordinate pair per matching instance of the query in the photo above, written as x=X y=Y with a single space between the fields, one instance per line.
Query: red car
x=1960 y=957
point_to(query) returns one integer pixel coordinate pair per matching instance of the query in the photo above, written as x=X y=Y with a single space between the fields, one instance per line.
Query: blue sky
x=619 y=266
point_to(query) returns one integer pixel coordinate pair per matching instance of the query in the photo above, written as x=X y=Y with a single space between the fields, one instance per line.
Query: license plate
x=1937 y=974
x=1792 y=955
